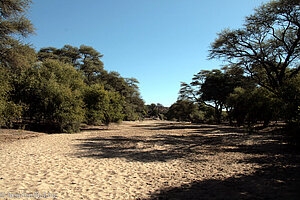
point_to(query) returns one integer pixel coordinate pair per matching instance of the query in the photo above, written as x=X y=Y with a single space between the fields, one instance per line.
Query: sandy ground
x=149 y=160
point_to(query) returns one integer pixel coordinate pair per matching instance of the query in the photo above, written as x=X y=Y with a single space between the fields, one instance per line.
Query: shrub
x=52 y=92
x=197 y=116
x=9 y=111
x=102 y=105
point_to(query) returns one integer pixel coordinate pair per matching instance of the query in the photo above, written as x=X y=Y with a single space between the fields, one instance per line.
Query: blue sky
x=159 y=42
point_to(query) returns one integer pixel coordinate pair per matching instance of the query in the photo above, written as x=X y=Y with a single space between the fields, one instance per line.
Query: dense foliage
x=156 y=111
x=102 y=105
x=57 y=88
x=64 y=87
x=262 y=82
x=267 y=47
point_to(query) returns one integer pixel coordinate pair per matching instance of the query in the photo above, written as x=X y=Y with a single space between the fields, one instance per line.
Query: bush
x=102 y=105
x=251 y=106
x=130 y=114
x=61 y=93
x=197 y=116
x=9 y=111
x=182 y=110
x=52 y=92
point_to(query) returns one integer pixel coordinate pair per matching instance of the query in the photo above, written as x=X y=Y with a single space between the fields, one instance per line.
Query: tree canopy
x=14 y=25
x=57 y=88
x=261 y=81
x=64 y=87
x=267 y=45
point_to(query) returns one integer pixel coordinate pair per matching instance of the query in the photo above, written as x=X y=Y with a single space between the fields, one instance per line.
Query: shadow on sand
x=270 y=182
x=278 y=177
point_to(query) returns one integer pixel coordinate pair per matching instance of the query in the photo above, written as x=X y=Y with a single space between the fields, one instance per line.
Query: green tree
x=291 y=99
x=13 y=18
x=52 y=92
x=133 y=107
x=267 y=45
x=185 y=110
x=14 y=56
x=87 y=60
x=13 y=26
x=250 y=106
x=215 y=89
x=152 y=110
x=9 y=111
x=91 y=63
x=211 y=88
x=102 y=105
x=49 y=53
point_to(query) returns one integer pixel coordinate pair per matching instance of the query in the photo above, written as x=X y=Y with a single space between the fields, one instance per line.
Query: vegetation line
x=61 y=88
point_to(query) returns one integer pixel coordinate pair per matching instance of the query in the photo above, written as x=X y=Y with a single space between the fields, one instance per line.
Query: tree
x=14 y=56
x=52 y=93
x=267 y=45
x=211 y=88
x=91 y=63
x=252 y=105
x=133 y=107
x=102 y=105
x=215 y=89
x=190 y=92
x=13 y=26
x=49 y=53
x=185 y=110
x=13 y=20
x=85 y=58
x=9 y=111
x=291 y=101
x=152 y=110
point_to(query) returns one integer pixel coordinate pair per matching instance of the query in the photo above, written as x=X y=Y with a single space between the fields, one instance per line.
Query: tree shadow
x=144 y=148
x=277 y=178
x=272 y=182
x=162 y=146
x=95 y=128
x=197 y=127
x=172 y=126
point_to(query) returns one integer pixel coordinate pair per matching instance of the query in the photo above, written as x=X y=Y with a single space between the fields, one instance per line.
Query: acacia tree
x=267 y=45
x=91 y=63
x=102 y=105
x=14 y=55
x=184 y=110
x=14 y=25
x=252 y=105
x=211 y=88
x=85 y=58
x=52 y=92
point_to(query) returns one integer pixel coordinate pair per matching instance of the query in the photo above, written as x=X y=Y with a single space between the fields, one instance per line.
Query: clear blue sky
x=159 y=42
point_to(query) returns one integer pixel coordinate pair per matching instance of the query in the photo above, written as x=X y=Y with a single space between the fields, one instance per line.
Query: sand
x=149 y=160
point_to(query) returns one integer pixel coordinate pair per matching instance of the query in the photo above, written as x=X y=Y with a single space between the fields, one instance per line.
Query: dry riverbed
x=148 y=160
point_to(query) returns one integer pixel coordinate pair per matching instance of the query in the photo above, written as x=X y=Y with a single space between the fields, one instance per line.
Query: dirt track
x=152 y=160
